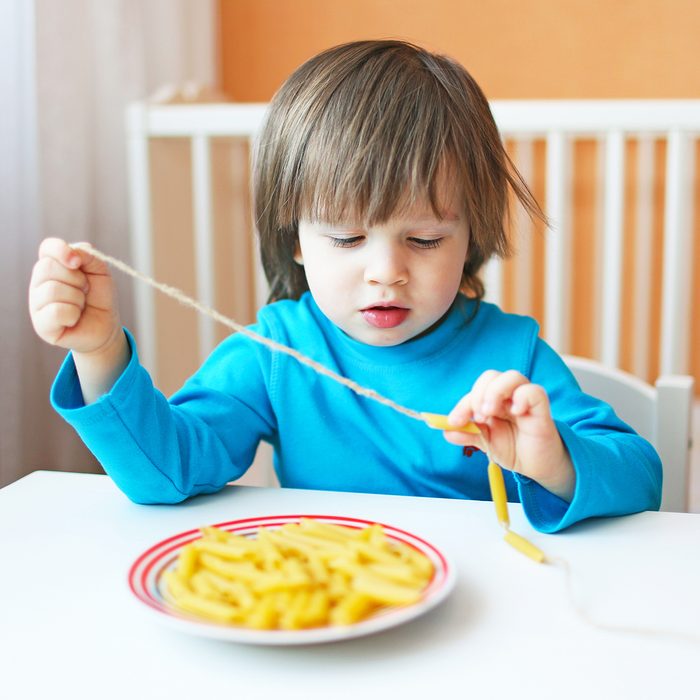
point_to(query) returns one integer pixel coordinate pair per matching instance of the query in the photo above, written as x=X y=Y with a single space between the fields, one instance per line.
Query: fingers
x=530 y=400
x=494 y=398
x=71 y=258
x=490 y=397
x=57 y=292
x=54 y=307
x=480 y=441
x=463 y=412
x=50 y=269
x=72 y=301
x=61 y=252
x=54 y=319
x=514 y=417
x=57 y=289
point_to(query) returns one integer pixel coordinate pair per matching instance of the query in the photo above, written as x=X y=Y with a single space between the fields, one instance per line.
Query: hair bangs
x=389 y=145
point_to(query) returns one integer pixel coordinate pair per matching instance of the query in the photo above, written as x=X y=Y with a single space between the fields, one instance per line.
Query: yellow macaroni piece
x=524 y=546
x=439 y=422
x=500 y=502
x=498 y=493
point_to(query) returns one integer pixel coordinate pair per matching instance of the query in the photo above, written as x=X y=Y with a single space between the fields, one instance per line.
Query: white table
x=70 y=628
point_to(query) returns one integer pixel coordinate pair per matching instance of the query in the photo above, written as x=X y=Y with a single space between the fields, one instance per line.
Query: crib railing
x=541 y=137
x=612 y=124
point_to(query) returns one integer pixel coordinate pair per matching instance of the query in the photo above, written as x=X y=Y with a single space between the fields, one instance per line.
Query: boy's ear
x=298 y=259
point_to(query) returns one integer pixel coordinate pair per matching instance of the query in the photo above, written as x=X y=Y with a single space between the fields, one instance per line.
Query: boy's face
x=386 y=284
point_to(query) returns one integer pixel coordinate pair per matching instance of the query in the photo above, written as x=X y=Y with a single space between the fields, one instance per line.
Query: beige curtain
x=67 y=71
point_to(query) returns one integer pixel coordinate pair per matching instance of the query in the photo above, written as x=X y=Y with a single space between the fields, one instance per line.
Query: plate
x=146 y=583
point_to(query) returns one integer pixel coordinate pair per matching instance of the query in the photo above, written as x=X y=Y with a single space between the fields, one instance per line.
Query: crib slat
x=141 y=235
x=203 y=238
x=678 y=253
x=595 y=289
x=558 y=263
x=523 y=297
x=613 y=207
x=261 y=288
x=643 y=254
x=493 y=281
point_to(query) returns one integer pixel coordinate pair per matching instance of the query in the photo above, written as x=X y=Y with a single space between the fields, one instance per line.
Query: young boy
x=381 y=188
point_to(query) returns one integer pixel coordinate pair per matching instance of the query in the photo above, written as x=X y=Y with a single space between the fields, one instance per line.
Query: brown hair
x=364 y=128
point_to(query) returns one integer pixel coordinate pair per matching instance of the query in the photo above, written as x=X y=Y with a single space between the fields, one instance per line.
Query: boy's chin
x=383 y=338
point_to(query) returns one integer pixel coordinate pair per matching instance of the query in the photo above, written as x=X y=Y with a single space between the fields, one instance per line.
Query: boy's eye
x=426 y=242
x=345 y=242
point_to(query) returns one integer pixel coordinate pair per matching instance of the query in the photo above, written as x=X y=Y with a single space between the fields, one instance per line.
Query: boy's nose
x=386 y=268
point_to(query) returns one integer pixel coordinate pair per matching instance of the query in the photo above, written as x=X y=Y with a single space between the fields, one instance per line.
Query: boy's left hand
x=517 y=429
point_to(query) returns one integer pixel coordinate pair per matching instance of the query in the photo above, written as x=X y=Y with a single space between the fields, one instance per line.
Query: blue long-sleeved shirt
x=327 y=437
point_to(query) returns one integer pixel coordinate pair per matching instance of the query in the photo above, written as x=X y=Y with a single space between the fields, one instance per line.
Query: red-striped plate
x=146 y=583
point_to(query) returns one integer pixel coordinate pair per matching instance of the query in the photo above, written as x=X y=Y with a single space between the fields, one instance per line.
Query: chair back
x=660 y=413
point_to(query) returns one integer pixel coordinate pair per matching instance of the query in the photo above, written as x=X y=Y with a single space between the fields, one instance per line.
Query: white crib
x=559 y=125
x=538 y=134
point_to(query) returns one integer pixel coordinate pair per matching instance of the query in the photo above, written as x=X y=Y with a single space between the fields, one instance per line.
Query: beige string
x=584 y=616
x=187 y=301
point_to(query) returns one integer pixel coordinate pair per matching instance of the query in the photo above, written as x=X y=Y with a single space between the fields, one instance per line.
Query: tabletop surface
x=70 y=626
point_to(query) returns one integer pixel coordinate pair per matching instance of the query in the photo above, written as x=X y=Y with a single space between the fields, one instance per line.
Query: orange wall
x=514 y=48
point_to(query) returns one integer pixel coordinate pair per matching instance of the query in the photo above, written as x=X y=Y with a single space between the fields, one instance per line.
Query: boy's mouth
x=385 y=316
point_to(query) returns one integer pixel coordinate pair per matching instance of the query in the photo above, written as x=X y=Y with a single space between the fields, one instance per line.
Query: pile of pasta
x=297 y=576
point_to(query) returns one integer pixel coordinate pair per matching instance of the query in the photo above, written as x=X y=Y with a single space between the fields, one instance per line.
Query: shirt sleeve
x=160 y=450
x=617 y=471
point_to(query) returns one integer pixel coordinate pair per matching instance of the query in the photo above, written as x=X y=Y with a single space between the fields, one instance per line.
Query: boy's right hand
x=72 y=299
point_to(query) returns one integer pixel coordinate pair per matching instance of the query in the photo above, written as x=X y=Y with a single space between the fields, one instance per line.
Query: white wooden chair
x=659 y=413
